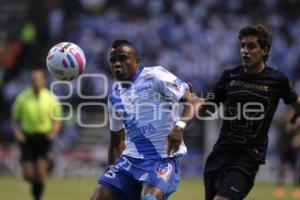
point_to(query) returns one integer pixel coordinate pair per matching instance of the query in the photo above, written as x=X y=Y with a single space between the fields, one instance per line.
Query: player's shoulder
x=157 y=72
x=232 y=72
x=25 y=93
x=275 y=73
x=49 y=94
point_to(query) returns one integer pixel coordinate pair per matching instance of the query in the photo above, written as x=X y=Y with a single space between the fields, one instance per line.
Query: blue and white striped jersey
x=147 y=108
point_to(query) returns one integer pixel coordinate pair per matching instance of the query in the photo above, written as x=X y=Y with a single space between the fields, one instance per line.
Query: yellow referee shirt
x=36 y=113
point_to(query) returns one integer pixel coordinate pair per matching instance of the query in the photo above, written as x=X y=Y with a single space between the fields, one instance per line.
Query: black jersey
x=249 y=102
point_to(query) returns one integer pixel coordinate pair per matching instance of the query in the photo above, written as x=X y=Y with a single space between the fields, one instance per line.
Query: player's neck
x=254 y=69
x=36 y=91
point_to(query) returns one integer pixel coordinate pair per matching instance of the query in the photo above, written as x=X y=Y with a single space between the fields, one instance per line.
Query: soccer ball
x=65 y=61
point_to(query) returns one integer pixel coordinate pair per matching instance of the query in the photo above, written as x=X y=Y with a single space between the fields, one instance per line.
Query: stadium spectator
x=250 y=94
x=147 y=166
x=35 y=125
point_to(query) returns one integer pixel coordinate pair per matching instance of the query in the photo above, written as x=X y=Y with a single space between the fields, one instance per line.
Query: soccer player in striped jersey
x=147 y=124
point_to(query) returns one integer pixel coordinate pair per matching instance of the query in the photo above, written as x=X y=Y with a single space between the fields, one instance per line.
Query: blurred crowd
x=195 y=39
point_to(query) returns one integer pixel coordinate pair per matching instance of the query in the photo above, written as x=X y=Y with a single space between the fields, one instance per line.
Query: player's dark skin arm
x=207 y=109
x=192 y=103
x=116 y=145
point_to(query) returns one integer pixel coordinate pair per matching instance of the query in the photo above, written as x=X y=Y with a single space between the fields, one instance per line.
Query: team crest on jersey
x=164 y=171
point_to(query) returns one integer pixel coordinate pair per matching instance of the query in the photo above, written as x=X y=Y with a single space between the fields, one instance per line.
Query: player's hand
x=174 y=140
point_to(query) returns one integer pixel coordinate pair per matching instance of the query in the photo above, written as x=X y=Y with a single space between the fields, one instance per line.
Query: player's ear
x=265 y=51
x=138 y=60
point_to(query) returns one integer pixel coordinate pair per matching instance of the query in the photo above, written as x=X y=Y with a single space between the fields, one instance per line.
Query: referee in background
x=35 y=125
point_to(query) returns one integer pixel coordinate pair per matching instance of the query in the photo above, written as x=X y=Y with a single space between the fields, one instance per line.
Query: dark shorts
x=229 y=174
x=36 y=146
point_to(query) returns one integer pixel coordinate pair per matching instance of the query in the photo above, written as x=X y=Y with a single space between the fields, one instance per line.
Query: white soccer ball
x=65 y=61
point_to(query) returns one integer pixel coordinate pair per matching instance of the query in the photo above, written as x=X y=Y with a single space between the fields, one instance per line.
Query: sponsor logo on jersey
x=133 y=132
x=248 y=85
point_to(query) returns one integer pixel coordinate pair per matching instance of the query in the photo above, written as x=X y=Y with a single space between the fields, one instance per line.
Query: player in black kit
x=249 y=94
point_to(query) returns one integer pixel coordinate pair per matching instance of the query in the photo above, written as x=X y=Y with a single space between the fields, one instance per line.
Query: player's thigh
x=149 y=190
x=102 y=193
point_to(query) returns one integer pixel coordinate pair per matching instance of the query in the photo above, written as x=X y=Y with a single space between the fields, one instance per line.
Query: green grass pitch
x=14 y=188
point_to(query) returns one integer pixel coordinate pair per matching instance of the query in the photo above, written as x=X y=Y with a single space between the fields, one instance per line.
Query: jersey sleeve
x=169 y=85
x=115 y=122
x=219 y=89
x=287 y=91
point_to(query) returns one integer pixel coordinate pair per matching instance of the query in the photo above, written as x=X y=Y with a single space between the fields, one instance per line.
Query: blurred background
x=195 y=39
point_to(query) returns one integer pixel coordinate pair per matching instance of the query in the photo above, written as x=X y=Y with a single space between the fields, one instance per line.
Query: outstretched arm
x=117 y=145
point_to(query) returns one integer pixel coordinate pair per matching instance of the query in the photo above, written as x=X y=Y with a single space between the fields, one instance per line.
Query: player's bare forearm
x=192 y=105
x=116 y=145
x=17 y=131
x=55 y=130
x=207 y=108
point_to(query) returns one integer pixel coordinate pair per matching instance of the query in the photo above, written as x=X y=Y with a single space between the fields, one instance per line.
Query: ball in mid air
x=65 y=61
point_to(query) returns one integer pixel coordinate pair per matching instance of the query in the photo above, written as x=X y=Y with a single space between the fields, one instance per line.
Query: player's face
x=252 y=54
x=37 y=79
x=123 y=62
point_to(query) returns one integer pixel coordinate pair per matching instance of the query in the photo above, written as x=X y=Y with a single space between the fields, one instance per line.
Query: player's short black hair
x=263 y=35
x=122 y=42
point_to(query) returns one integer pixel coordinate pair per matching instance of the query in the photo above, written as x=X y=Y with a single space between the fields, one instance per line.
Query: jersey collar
x=134 y=78
x=137 y=73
